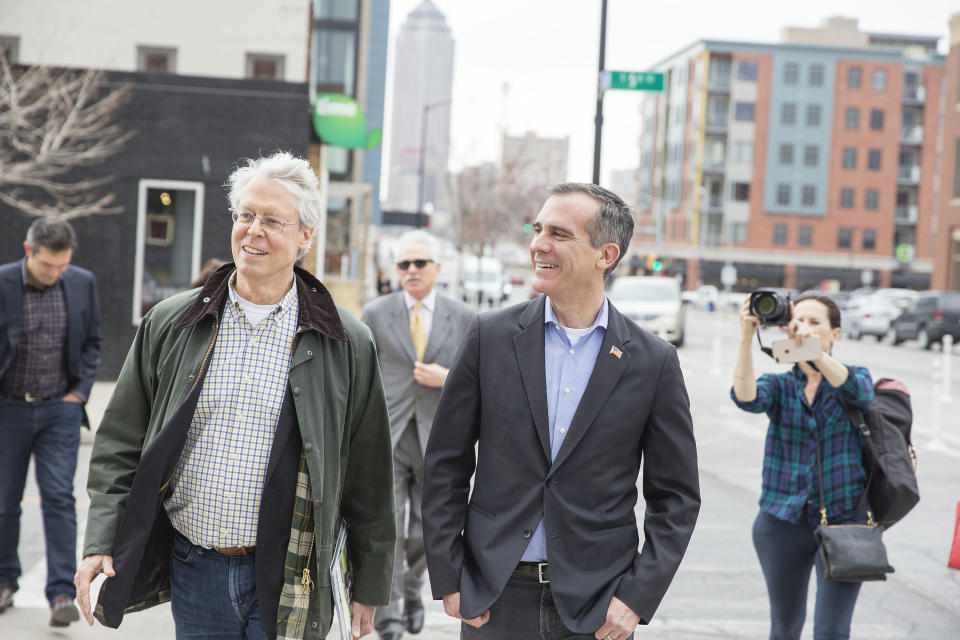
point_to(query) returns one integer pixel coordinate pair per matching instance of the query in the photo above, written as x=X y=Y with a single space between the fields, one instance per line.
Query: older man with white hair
x=418 y=331
x=248 y=419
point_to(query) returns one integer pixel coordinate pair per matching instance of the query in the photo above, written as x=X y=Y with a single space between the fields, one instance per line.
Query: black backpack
x=888 y=454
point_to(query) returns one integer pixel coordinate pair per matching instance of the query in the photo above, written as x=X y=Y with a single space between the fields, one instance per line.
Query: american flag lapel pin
x=616 y=352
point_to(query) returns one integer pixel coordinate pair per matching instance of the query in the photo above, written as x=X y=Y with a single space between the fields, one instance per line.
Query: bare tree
x=52 y=122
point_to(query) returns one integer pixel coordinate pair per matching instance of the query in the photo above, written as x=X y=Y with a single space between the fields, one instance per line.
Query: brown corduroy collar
x=317 y=309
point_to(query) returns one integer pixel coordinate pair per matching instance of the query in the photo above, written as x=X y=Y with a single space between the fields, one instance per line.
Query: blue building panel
x=802 y=85
x=376 y=86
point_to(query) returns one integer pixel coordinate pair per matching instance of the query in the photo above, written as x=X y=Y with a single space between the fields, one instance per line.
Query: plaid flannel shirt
x=790 y=473
x=295 y=595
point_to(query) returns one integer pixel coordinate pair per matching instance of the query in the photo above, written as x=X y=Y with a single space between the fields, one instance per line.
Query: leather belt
x=536 y=570
x=235 y=551
x=30 y=398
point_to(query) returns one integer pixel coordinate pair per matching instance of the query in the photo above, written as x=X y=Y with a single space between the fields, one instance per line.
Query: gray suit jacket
x=389 y=321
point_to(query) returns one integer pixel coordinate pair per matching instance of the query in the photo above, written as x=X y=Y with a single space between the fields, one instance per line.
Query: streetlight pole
x=598 y=120
x=424 y=113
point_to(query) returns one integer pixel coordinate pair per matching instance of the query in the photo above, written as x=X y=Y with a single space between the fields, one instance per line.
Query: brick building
x=946 y=269
x=804 y=163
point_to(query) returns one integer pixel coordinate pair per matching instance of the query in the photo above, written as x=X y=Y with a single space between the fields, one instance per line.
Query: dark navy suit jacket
x=83 y=324
x=635 y=408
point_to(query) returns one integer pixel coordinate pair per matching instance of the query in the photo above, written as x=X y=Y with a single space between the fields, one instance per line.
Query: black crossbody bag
x=850 y=552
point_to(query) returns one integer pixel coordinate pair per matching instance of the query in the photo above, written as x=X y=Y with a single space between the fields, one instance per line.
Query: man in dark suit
x=418 y=331
x=49 y=352
x=560 y=399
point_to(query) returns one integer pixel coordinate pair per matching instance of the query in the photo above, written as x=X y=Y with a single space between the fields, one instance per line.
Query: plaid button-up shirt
x=790 y=472
x=40 y=366
x=219 y=478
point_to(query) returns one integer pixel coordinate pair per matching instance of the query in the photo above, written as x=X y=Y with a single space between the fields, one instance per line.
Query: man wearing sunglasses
x=248 y=419
x=417 y=331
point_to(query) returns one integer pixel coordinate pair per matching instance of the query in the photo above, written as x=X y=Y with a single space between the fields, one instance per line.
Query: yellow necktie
x=418 y=331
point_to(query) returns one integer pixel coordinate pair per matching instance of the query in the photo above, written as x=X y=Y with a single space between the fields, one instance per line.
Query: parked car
x=871 y=314
x=931 y=316
x=652 y=302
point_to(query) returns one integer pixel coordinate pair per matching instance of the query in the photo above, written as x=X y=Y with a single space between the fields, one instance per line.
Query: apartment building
x=804 y=163
x=946 y=237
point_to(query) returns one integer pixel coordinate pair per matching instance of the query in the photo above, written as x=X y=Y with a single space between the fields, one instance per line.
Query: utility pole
x=598 y=121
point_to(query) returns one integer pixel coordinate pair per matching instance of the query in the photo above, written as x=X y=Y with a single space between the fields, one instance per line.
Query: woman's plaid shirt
x=790 y=473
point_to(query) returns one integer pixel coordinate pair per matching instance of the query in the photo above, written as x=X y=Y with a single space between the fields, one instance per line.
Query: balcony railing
x=717 y=124
x=719 y=84
x=914 y=95
x=909 y=174
x=906 y=214
x=912 y=135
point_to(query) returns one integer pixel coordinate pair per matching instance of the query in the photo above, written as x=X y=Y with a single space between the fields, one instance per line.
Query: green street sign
x=635 y=80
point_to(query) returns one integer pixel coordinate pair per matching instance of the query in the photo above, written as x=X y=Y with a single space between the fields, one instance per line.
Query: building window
x=791 y=73
x=876 y=119
x=157 y=59
x=879 y=79
x=846 y=198
x=844 y=238
x=816 y=75
x=849 y=158
x=808 y=195
x=805 y=235
x=167 y=247
x=811 y=155
x=854 y=76
x=742 y=151
x=788 y=113
x=336 y=9
x=873 y=160
x=852 y=118
x=743 y=111
x=747 y=71
x=786 y=154
x=869 y=239
x=956 y=168
x=780 y=234
x=10 y=47
x=783 y=194
x=872 y=199
x=740 y=191
x=813 y=115
x=264 y=66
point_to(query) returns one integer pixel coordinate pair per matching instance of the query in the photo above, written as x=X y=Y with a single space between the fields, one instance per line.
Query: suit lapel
x=400 y=325
x=607 y=371
x=529 y=344
x=439 y=330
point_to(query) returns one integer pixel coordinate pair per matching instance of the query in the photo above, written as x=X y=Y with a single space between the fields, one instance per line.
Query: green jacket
x=334 y=381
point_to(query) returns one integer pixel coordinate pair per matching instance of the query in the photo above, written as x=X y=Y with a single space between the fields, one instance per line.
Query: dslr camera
x=771 y=307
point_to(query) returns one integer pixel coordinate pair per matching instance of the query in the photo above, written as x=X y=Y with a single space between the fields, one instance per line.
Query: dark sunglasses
x=403 y=265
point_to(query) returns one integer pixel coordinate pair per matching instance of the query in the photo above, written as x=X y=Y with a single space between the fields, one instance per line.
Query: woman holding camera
x=805 y=407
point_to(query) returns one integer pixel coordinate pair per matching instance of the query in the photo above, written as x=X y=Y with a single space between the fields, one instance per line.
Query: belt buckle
x=541 y=567
x=27 y=397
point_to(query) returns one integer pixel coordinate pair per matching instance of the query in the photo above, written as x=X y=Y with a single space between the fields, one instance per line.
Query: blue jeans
x=50 y=432
x=787 y=553
x=213 y=597
x=524 y=610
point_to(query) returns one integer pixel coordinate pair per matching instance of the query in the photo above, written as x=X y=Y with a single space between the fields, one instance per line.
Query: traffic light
x=657 y=265
x=653 y=263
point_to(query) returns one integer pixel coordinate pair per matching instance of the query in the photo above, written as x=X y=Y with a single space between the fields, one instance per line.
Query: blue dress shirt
x=568 y=368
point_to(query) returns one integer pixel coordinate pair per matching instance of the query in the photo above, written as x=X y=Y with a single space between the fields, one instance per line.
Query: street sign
x=728 y=275
x=905 y=252
x=634 y=80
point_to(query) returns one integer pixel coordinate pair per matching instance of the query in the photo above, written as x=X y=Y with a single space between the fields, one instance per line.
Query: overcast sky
x=546 y=52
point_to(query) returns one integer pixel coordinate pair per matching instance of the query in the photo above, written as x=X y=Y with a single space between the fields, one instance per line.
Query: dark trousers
x=50 y=432
x=787 y=553
x=524 y=611
x=212 y=596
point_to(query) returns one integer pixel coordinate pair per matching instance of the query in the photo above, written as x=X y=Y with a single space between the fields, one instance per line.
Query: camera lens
x=766 y=305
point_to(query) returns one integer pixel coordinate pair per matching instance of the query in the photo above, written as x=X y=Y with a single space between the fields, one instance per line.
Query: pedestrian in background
x=49 y=353
x=805 y=407
x=206 y=270
x=418 y=331
x=560 y=399
x=247 y=420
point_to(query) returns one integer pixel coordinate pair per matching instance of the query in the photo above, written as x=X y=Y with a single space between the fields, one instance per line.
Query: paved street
x=718 y=592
